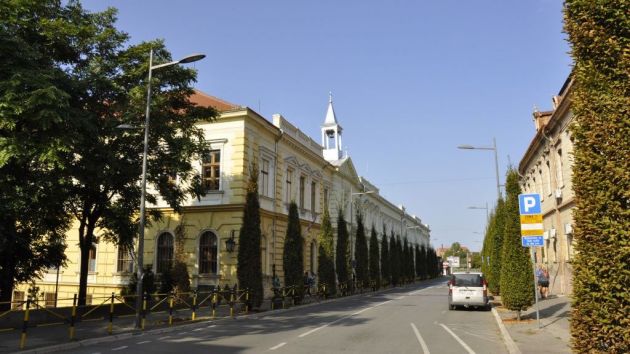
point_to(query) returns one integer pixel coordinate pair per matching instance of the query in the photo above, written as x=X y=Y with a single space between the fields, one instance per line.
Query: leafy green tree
x=517 y=284
x=361 y=253
x=38 y=41
x=385 y=259
x=598 y=32
x=342 y=259
x=249 y=269
x=456 y=250
x=375 y=271
x=325 y=257
x=293 y=258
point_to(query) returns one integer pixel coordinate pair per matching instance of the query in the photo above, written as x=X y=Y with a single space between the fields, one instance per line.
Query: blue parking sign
x=529 y=204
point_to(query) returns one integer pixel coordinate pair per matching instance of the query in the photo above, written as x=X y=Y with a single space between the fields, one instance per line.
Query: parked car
x=468 y=290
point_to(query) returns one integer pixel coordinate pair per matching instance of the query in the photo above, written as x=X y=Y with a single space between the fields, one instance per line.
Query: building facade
x=291 y=167
x=546 y=170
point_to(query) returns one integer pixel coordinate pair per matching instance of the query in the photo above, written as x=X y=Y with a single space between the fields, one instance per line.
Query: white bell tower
x=331 y=134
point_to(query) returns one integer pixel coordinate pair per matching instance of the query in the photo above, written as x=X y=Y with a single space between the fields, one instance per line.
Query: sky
x=411 y=80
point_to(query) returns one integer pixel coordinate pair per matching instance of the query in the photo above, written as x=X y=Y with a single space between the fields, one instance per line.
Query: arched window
x=164 y=252
x=313 y=256
x=208 y=253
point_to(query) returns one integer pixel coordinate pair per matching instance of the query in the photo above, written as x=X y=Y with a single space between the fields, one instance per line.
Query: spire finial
x=329 y=96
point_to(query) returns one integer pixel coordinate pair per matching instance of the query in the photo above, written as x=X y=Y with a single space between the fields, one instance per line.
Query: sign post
x=531 y=231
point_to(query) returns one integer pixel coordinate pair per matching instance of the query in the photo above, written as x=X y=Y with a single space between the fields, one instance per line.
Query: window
x=289 y=180
x=164 y=252
x=92 y=259
x=264 y=178
x=559 y=176
x=211 y=170
x=548 y=178
x=49 y=299
x=208 y=253
x=313 y=196
x=125 y=263
x=18 y=300
x=302 y=186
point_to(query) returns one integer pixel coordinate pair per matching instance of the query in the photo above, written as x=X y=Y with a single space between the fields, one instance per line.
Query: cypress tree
x=405 y=259
x=400 y=260
x=385 y=262
x=249 y=268
x=517 y=277
x=423 y=262
x=394 y=259
x=599 y=36
x=497 y=244
x=375 y=271
x=361 y=253
x=418 y=263
x=487 y=246
x=293 y=257
x=342 y=260
x=325 y=258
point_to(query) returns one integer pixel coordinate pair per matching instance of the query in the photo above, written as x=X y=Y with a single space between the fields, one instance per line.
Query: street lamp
x=496 y=159
x=478 y=207
x=140 y=270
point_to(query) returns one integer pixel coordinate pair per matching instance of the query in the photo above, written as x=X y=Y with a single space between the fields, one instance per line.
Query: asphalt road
x=406 y=320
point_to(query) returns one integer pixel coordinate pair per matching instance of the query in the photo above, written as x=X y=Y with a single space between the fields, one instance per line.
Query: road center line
x=144 y=342
x=425 y=349
x=278 y=346
x=119 y=348
x=198 y=329
x=470 y=351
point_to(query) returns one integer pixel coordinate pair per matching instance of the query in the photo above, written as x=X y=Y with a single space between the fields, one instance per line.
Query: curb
x=507 y=339
x=98 y=340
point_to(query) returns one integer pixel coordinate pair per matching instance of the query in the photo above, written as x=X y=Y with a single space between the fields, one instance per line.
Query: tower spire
x=331 y=134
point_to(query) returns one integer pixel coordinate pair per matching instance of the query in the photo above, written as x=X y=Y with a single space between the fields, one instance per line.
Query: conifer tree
x=325 y=258
x=293 y=257
x=249 y=268
x=496 y=252
x=385 y=260
x=599 y=36
x=361 y=253
x=418 y=262
x=517 y=277
x=342 y=259
x=423 y=262
x=375 y=271
x=405 y=259
x=394 y=260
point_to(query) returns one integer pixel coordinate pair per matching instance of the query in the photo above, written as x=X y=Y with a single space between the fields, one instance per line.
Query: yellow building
x=546 y=170
x=292 y=167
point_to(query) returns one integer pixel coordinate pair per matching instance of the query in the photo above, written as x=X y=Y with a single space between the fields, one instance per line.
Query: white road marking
x=145 y=342
x=421 y=290
x=119 y=348
x=470 y=351
x=400 y=298
x=278 y=346
x=182 y=333
x=198 y=329
x=165 y=337
x=212 y=326
x=425 y=349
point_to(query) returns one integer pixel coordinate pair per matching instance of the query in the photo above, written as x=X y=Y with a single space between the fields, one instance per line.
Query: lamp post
x=140 y=270
x=496 y=159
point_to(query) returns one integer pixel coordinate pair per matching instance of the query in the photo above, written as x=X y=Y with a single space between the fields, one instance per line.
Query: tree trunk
x=86 y=238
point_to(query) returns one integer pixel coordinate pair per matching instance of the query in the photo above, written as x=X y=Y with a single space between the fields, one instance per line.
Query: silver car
x=468 y=290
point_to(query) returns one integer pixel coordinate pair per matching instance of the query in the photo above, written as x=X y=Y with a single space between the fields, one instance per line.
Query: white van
x=468 y=289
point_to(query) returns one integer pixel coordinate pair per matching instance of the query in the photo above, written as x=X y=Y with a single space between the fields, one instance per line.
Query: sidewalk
x=552 y=337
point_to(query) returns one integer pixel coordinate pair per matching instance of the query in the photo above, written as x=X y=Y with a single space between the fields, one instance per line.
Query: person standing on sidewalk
x=543 y=281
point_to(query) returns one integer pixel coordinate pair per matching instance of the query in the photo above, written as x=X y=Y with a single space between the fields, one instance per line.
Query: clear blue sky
x=411 y=80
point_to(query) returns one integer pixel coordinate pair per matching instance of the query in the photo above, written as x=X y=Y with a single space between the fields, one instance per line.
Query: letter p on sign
x=529 y=204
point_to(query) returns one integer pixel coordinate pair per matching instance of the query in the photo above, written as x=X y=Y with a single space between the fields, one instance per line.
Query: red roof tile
x=205 y=100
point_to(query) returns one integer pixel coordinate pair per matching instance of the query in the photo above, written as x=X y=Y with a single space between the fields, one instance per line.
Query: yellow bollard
x=194 y=307
x=214 y=305
x=170 y=309
x=232 y=304
x=111 y=316
x=246 y=301
x=73 y=316
x=25 y=324
x=144 y=313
